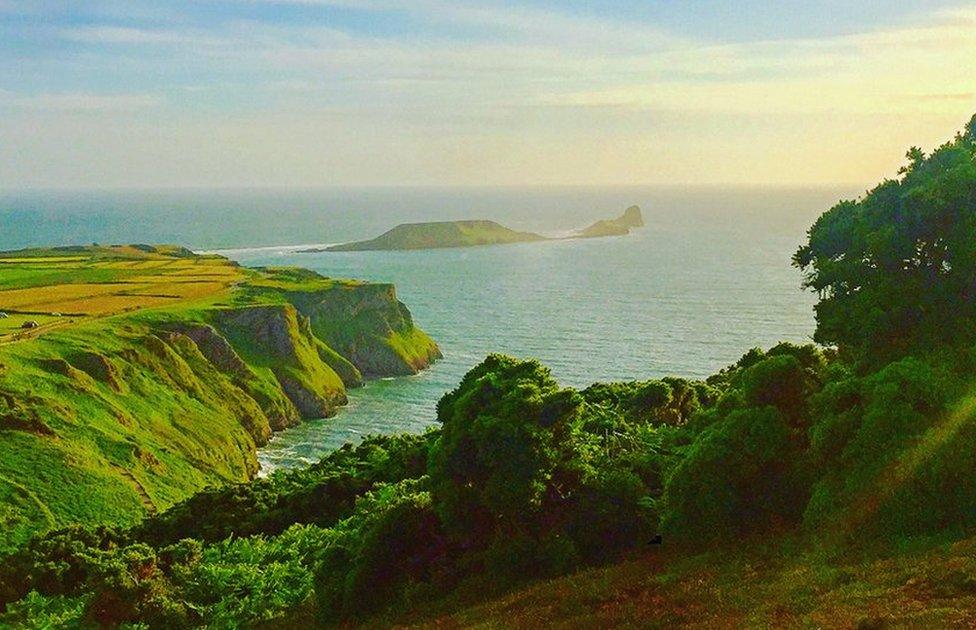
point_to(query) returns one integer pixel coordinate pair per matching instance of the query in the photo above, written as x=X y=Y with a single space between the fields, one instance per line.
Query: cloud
x=129 y=35
x=79 y=102
x=926 y=68
x=556 y=96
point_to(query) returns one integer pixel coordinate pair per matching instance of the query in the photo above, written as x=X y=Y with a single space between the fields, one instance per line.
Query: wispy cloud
x=79 y=102
x=522 y=91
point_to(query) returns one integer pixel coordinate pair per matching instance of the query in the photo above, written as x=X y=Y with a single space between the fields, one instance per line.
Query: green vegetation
x=895 y=269
x=802 y=485
x=108 y=415
x=445 y=234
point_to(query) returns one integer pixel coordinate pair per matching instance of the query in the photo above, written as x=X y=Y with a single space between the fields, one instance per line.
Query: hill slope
x=761 y=589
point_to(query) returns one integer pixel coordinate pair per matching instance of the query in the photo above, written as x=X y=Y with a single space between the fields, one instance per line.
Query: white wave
x=277 y=249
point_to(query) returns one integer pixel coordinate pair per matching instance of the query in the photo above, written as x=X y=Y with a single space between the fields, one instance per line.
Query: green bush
x=507 y=448
x=392 y=541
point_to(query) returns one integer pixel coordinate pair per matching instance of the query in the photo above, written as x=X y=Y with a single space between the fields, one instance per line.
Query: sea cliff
x=107 y=418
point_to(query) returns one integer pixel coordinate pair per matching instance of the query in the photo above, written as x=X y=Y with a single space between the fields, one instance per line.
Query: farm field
x=58 y=287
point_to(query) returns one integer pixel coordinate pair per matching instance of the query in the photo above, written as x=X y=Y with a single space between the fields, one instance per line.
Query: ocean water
x=708 y=278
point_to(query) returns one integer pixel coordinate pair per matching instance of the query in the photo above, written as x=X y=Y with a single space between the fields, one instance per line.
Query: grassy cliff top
x=59 y=287
x=147 y=373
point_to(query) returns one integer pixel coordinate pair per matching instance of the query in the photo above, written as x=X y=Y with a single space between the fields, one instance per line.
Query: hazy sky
x=349 y=92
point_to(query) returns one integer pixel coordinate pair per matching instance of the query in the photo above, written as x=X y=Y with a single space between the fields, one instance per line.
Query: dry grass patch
x=50 y=298
x=45 y=259
x=107 y=304
x=181 y=290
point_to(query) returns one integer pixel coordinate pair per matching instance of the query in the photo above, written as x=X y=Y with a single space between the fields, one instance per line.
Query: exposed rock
x=21 y=415
x=309 y=403
x=631 y=218
x=367 y=325
x=274 y=337
x=281 y=413
x=99 y=368
x=213 y=346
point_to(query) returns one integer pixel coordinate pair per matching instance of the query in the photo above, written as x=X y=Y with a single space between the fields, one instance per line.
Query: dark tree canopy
x=506 y=444
x=897 y=268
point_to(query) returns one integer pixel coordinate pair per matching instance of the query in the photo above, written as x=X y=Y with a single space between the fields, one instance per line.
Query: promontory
x=133 y=376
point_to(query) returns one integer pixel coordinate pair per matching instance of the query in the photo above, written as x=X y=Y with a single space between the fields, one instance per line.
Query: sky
x=229 y=93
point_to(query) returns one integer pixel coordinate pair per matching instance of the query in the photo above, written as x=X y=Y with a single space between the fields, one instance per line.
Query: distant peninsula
x=471 y=233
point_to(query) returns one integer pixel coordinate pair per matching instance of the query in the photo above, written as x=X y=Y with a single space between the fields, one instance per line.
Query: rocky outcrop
x=369 y=326
x=621 y=226
x=99 y=367
x=273 y=338
x=280 y=411
x=632 y=217
x=217 y=349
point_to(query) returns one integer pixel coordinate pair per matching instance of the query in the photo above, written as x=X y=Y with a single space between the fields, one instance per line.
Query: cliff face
x=369 y=326
x=276 y=342
x=142 y=410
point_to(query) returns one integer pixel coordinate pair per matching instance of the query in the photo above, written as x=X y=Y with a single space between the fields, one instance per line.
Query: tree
x=506 y=449
x=897 y=268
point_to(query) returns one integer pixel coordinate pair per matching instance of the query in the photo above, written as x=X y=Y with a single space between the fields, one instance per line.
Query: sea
x=707 y=278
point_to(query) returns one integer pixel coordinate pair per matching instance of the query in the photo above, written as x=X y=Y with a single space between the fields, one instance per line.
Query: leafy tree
x=897 y=269
x=747 y=468
x=507 y=448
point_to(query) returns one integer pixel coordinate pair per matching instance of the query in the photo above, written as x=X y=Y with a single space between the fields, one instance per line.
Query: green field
x=102 y=281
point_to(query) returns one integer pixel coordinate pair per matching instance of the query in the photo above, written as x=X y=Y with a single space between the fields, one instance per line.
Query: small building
x=3 y=315
x=30 y=324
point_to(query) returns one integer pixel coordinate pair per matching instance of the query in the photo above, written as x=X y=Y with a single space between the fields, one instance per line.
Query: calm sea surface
x=707 y=279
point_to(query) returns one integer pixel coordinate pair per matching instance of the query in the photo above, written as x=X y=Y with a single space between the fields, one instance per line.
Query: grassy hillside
x=754 y=588
x=154 y=373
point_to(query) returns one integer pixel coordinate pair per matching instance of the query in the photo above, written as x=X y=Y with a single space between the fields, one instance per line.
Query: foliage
x=896 y=269
x=747 y=470
x=507 y=448
x=392 y=542
x=320 y=494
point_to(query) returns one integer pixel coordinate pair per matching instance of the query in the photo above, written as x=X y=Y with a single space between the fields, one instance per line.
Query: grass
x=107 y=281
x=763 y=587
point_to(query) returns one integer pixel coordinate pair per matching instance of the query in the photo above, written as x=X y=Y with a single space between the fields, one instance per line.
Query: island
x=621 y=226
x=471 y=233
x=440 y=234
